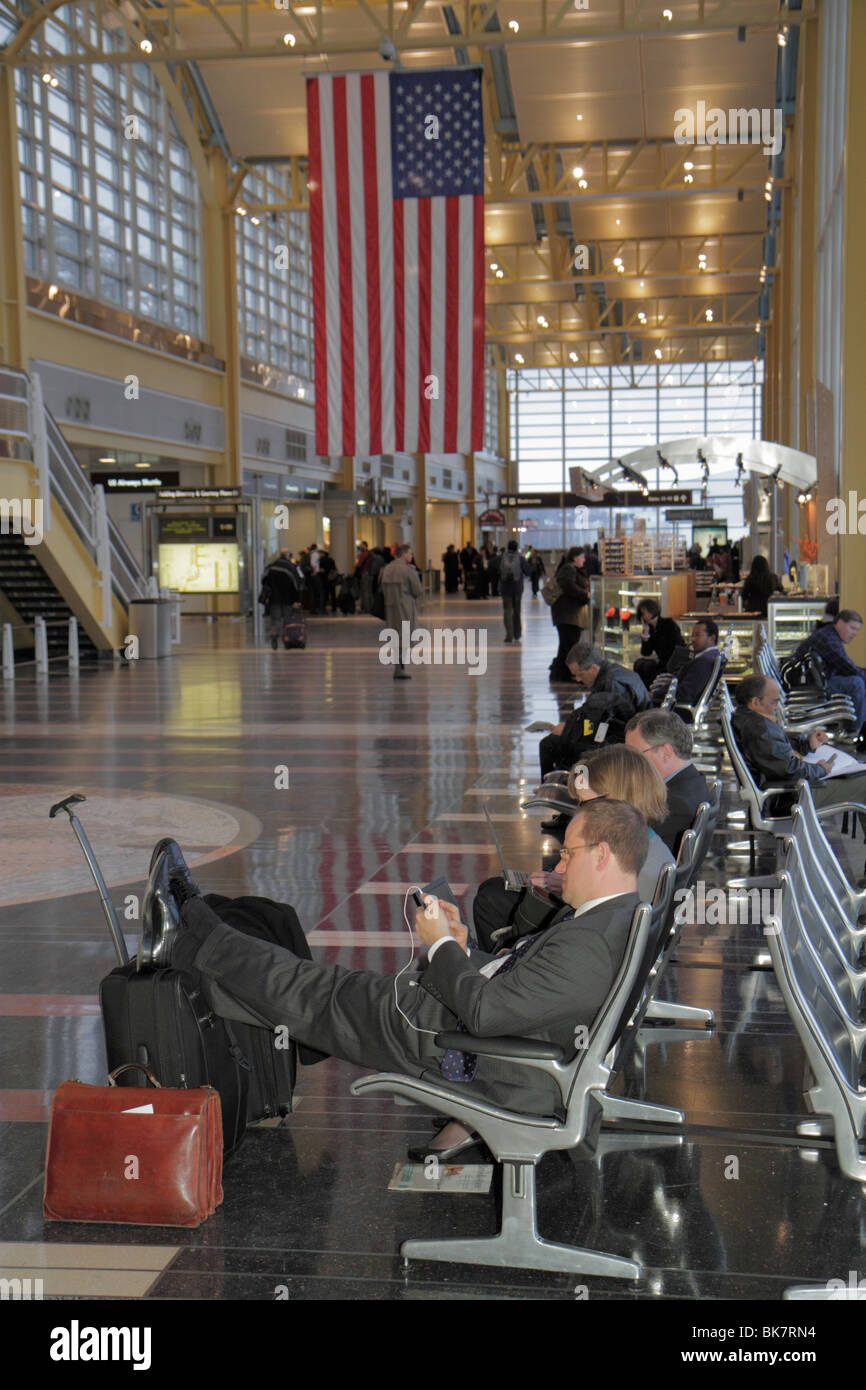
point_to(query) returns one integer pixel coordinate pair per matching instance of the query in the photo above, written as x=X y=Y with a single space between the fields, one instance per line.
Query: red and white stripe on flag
x=398 y=288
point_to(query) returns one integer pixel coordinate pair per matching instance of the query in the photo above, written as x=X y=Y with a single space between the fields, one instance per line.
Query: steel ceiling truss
x=735 y=255
x=359 y=26
x=665 y=317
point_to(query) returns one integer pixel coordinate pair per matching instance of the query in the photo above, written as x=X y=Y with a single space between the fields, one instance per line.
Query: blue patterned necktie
x=462 y=1066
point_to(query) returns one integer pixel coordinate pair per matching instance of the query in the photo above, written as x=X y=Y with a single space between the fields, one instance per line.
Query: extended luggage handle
x=134 y=1066
x=65 y=804
x=107 y=905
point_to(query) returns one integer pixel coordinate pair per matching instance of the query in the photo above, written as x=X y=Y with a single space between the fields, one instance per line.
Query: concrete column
x=219 y=269
x=13 y=294
x=852 y=578
x=419 y=511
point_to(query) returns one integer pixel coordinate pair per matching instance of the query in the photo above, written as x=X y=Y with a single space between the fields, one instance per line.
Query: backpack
x=551 y=591
x=510 y=567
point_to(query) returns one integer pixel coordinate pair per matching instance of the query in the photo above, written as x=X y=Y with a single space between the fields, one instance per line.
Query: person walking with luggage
x=451 y=566
x=282 y=586
x=492 y=562
x=569 y=610
x=511 y=575
x=401 y=588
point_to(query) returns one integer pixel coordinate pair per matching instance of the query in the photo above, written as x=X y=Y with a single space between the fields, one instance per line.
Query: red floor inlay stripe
x=34 y=1106
x=49 y=1005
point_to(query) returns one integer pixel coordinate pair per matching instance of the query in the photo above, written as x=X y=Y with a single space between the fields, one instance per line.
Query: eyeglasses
x=567 y=853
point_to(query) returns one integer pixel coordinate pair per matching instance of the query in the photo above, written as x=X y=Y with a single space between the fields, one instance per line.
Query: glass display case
x=789 y=620
x=620 y=639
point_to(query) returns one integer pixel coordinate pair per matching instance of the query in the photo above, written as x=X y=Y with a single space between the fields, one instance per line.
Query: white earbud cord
x=432 y=1031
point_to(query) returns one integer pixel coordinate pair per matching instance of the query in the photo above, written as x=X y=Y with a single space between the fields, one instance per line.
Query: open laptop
x=514 y=879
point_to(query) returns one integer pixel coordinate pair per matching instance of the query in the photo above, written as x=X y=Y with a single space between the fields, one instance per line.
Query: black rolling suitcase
x=295 y=630
x=474 y=584
x=158 y=1018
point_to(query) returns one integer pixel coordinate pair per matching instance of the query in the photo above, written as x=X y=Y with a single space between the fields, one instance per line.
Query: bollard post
x=8 y=653
x=73 y=644
x=41 y=646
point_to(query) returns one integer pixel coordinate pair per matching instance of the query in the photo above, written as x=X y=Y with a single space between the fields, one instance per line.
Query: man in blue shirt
x=843 y=677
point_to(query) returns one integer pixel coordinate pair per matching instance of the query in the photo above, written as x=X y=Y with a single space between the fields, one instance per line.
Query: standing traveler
x=401 y=588
x=362 y=578
x=511 y=573
x=451 y=566
x=569 y=611
x=538 y=571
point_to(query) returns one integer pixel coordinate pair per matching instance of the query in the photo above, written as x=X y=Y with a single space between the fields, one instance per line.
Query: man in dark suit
x=663 y=738
x=692 y=678
x=552 y=983
x=772 y=757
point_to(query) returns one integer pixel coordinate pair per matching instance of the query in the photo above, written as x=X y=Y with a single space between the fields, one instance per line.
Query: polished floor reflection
x=315 y=778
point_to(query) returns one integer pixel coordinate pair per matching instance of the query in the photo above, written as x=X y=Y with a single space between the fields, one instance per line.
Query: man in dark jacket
x=616 y=694
x=829 y=641
x=693 y=677
x=772 y=758
x=512 y=570
x=660 y=639
x=282 y=585
x=666 y=742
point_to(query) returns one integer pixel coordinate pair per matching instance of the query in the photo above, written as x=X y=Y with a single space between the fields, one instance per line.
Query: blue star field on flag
x=437 y=133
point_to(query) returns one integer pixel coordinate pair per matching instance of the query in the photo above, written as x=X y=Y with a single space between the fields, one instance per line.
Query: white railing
x=26 y=422
x=41 y=659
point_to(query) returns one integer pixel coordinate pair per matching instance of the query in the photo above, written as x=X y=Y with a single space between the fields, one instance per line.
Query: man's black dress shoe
x=169 y=885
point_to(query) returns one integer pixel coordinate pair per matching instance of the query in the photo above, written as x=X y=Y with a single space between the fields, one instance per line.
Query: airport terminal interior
x=418 y=423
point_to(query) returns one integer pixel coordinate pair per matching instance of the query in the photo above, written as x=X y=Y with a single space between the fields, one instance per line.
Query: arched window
x=109 y=196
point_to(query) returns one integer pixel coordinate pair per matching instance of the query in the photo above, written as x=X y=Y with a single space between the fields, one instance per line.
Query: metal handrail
x=41 y=659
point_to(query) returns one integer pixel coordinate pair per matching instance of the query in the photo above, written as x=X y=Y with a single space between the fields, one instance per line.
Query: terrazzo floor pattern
x=386 y=784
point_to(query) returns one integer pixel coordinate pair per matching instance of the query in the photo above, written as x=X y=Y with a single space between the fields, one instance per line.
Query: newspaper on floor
x=441 y=1177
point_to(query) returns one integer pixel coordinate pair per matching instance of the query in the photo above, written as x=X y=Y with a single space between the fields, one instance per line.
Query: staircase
x=29 y=591
x=81 y=566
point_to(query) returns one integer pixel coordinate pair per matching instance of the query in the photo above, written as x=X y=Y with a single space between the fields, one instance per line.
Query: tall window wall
x=588 y=415
x=275 y=311
x=109 y=196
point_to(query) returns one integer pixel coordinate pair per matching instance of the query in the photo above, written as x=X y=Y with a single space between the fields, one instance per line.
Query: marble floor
x=315 y=778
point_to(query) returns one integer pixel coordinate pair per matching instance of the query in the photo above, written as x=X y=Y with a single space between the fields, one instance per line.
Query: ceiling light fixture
x=581 y=183
x=500 y=274
x=494 y=265
x=519 y=358
x=641 y=317
x=579 y=116
x=572 y=356
x=667 y=15
x=577 y=171
x=782 y=36
x=688 y=178
x=514 y=26
x=657 y=353
x=289 y=40
x=241 y=211
x=146 y=46
x=688 y=165
x=709 y=314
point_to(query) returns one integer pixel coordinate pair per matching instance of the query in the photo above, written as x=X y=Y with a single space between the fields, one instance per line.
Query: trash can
x=163 y=626
x=144 y=624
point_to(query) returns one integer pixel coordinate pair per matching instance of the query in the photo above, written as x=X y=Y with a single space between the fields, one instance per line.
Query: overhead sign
x=665 y=497
x=200 y=494
x=491 y=519
x=689 y=514
x=135 y=482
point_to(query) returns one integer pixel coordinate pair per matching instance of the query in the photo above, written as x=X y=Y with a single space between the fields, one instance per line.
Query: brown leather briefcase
x=105 y=1164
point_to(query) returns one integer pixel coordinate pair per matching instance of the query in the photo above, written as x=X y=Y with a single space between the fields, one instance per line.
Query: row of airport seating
x=631 y=1017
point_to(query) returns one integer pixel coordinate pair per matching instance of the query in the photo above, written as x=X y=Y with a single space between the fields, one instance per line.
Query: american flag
x=396 y=179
